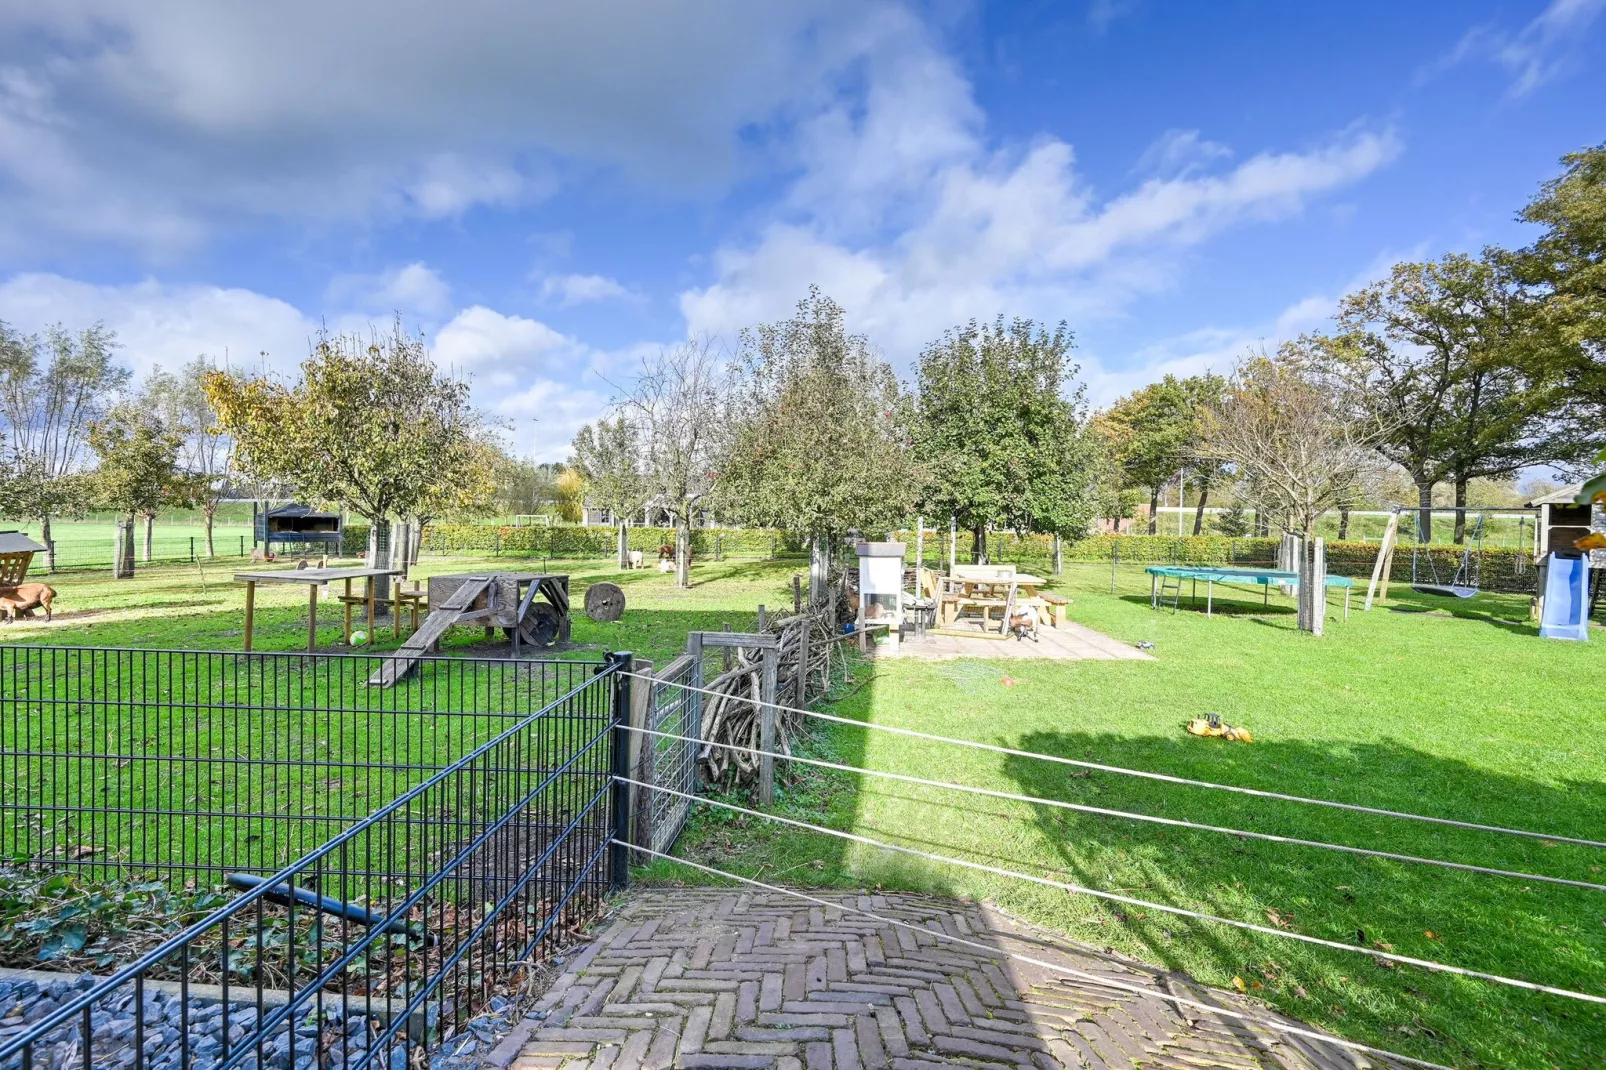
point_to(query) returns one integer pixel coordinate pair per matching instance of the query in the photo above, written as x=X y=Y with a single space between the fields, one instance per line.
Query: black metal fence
x=492 y=810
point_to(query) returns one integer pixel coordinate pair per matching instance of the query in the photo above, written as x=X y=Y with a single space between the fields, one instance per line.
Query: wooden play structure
x=16 y=555
x=532 y=608
x=315 y=578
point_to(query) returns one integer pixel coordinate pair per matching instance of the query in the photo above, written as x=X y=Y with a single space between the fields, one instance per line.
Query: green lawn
x=1447 y=708
x=1450 y=709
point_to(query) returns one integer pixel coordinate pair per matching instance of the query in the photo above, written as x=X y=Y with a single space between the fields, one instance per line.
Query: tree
x=477 y=464
x=205 y=453
x=1435 y=357
x=46 y=408
x=1233 y=521
x=1279 y=427
x=371 y=424
x=677 y=401
x=1152 y=432
x=569 y=493
x=1565 y=269
x=138 y=472
x=1201 y=393
x=609 y=458
x=1005 y=433
x=818 y=432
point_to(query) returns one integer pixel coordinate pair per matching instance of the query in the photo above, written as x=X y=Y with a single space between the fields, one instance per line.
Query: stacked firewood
x=731 y=714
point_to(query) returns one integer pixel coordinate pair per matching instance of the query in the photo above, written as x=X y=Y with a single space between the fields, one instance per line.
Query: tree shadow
x=1536 y=932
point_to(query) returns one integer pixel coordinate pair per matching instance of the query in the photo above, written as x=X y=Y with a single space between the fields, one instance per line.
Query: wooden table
x=313 y=578
x=1018 y=589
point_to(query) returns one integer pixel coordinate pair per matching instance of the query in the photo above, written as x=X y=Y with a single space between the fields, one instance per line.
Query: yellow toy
x=1213 y=727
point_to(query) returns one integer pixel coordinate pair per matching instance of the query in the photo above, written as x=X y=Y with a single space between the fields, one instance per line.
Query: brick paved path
x=715 y=978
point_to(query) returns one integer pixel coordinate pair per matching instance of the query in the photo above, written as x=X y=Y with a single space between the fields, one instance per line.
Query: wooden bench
x=1054 y=606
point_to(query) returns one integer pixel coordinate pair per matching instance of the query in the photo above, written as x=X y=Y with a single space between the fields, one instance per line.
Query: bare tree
x=206 y=453
x=1282 y=430
x=46 y=410
x=609 y=458
x=676 y=404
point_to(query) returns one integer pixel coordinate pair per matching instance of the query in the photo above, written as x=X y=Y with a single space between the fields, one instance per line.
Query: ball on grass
x=359 y=638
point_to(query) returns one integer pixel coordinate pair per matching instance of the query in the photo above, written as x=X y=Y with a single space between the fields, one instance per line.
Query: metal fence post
x=619 y=855
x=694 y=648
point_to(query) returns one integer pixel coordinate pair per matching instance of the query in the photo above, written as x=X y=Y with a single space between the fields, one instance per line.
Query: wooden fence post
x=801 y=688
x=766 y=725
x=797 y=593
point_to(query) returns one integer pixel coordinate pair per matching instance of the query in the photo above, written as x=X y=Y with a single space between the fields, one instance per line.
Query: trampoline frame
x=1265 y=577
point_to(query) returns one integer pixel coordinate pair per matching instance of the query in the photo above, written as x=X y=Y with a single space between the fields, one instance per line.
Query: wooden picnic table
x=1004 y=591
x=313 y=578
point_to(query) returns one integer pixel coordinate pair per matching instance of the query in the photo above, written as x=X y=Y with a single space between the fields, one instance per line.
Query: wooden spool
x=539 y=628
x=605 y=602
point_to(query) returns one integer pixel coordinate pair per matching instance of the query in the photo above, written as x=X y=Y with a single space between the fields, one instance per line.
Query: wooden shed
x=16 y=554
x=298 y=525
x=1562 y=522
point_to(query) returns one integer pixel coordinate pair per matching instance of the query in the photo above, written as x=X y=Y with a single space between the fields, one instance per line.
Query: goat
x=1023 y=623
x=24 y=598
x=632 y=559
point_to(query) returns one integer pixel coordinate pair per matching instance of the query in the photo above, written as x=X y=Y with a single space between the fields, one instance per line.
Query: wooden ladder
x=421 y=642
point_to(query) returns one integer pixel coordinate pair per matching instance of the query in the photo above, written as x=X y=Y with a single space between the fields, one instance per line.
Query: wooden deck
x=1069 y=642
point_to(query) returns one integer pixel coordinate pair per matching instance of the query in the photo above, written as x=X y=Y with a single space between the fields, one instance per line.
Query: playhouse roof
x=1564 y=496
x=295 y=509
x=15 y=542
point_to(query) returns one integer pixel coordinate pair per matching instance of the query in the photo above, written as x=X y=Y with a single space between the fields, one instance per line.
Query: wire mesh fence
x=371 y=944
x=188 y=765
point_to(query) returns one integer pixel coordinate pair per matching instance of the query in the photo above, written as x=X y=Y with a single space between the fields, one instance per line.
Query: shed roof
x=15 y=542
x=1564 y=496
x=295 y=509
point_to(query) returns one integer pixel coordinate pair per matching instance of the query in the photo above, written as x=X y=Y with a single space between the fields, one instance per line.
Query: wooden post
x=1384 y=562
x=250 y=611
x=763 y=619
x=797 y=593
x=370 y=593
x=1318 y=584
x=346 y=602
x=725 y=652
x=766 y=725
x=920 y=550
x=694 y=650
x=953 y=542
x=801 y=689
x=1059 y=555
x=312 y=617
x=395 y=607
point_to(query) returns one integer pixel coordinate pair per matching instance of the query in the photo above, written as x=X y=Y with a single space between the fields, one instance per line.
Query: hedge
x=1502 y=569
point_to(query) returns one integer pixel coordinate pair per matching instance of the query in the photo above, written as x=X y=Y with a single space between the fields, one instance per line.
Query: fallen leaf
x=1278 y=918
x=1238 y=983
x=1008 y=681
x=1430 y=934
x=1299 y=990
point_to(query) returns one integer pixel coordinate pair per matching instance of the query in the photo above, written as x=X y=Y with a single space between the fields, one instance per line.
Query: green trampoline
x=1265 y=577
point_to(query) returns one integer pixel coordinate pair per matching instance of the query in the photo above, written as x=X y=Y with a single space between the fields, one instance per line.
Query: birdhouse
x=16 y=554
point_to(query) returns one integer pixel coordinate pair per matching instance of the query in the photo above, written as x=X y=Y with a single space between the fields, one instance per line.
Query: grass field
x=1446 y=708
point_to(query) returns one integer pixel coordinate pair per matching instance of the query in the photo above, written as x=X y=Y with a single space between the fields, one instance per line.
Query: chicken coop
x=298 y=527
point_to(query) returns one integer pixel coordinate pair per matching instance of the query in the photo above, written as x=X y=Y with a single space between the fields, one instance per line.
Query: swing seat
x=1444 y=591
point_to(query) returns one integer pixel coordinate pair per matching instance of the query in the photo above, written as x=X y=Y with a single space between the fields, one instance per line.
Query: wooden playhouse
x=16 y=554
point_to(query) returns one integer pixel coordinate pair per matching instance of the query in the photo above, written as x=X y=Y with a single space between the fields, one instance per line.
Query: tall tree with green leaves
x=371 y=424
x=1003 y=431
x=206 y=452
x=819 y=436
x=1565 y=270
x=608 y=457
x=1152 y=434
x=51 y=391
x=138 y=474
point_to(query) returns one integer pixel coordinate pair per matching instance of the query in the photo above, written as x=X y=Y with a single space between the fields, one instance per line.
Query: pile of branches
x=731 y=715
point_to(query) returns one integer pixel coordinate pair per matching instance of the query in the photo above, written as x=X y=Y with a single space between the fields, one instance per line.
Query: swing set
x=1464 y=582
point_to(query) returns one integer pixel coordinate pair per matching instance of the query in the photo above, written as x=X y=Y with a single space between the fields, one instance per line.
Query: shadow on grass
x=1536 y=932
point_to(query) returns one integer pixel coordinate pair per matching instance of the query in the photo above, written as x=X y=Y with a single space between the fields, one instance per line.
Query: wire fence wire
x=382 y=938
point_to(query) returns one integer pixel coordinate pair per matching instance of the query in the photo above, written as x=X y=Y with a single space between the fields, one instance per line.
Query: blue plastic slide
x=1566 y=597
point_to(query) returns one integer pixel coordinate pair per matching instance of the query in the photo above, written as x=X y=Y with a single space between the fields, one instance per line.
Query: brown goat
x=24 y=598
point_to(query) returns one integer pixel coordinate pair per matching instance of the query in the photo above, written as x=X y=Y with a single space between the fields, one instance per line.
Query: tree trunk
x=978 y=544
x=1343 y=523
x=1262 y=523
x=1424 y=511
x=1461 y=509
x=1154 y=510
x=150 y=525
x=683 y=552
x=209 y=514
x=50 y=544
x=1059 y=555
x=1199 y=511
x=379 y=550
x=624 y=543
x=819 y=568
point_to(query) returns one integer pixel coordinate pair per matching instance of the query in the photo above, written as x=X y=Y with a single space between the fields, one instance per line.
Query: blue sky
x=550 y=191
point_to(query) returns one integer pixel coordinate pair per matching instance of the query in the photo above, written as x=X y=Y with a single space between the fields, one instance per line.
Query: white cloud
x=549 y=413
x=414 y=287
x=568 y=290
x=149 y=124
x=1100 y=13
x=496 y=348
x=1180 y=152
x=167 y=325
x=1549 y=46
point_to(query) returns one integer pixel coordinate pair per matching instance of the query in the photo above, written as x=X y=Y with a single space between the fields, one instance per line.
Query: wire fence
x=377 y=941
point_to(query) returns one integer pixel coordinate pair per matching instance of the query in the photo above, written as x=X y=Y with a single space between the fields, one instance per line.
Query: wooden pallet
x=458 y=609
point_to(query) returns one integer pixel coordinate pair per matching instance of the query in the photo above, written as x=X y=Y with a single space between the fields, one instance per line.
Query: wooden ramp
x=457 y=610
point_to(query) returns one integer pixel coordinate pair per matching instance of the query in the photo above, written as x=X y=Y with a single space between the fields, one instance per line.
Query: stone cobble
x=713 y=978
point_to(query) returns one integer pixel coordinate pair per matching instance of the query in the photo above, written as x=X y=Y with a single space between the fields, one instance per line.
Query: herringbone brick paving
x=715 y=978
